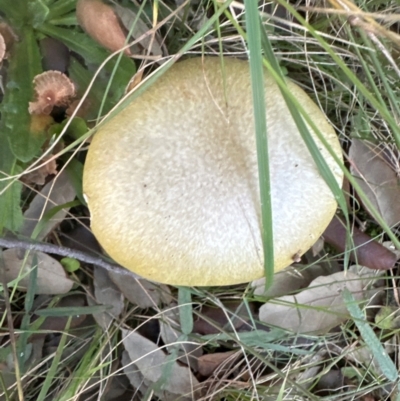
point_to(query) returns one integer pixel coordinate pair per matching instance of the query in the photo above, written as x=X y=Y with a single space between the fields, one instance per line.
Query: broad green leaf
x=67 y=20
x=25 y=63
x=38 y=12
x=94 y=54
x=15 y=11
x=90 y=51
x=10 y=211
x=60 y=8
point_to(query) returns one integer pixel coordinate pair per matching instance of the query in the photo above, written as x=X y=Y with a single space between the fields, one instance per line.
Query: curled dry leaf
x=210 y=362
x=52 y=88
x=100 y=22
x=314 y=361
x=39 y=176
x=106 y=293
x=315 y=310
x=289 y=280
x=233 y=317
x=153 y=365
x=366 y=252
x=148 y=45
x=142 y=293
x=83 y=111
x=372 y=167
x=51 y=277
x=331 y=380
x=170 y=330
x=55 y=193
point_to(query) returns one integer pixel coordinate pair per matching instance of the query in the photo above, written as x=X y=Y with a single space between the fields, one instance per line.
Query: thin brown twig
x=30 y=245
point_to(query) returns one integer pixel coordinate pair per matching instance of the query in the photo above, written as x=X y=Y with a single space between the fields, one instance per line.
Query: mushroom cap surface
x=172 y=180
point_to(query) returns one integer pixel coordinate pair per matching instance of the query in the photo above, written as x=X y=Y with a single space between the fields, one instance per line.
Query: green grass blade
x=382 y=109
x=298 y=117
x=185 y=310
x=260 y=118
x=69 y=311
x=52 y=373
x=386 y=364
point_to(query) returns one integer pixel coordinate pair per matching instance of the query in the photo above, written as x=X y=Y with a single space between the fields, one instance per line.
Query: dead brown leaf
x=188 y=353
x=38 y=177
x=148 y=45
x=142 y=293
x=289 y=280
x=213 y=319
x=210 y=362
x=152 y=363
x=56 y=192
x=51 y=277
x=371 y=166
x=106 y=293
x=316 y=309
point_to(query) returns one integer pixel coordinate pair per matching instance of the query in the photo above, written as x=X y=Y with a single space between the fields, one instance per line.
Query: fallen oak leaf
x=374 y=168
x=51 y=277
x=212 y=319
x=315 y=310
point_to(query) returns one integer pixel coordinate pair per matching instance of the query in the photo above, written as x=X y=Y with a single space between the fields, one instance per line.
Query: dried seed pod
x=101 y=23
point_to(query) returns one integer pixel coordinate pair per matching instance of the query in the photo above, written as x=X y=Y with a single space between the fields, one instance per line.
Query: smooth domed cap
x=172 y=180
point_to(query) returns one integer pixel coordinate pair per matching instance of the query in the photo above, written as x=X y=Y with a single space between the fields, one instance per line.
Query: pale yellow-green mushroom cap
x=172 y=180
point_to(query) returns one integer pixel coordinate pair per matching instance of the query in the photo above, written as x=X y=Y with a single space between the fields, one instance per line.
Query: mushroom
x=172 y=180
